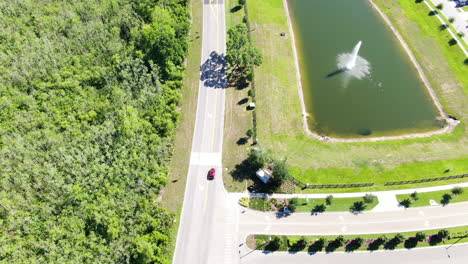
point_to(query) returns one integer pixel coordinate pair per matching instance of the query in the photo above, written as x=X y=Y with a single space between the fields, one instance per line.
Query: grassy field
x=173 y=193
x=457 y=235
x=279 y=112
x=436 y=196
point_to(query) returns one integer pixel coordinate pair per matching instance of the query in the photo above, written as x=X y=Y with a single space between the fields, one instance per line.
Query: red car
x=211 y=174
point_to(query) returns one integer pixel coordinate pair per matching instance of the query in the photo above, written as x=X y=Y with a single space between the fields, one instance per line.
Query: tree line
x=89 y=91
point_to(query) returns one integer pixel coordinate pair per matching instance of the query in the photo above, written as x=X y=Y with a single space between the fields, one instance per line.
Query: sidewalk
x=459 y=14
x=460 y=22
x=387 y=199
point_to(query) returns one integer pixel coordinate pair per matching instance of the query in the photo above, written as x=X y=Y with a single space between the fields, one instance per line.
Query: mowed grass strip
x=312 y=205
x=424 y=198
x=238 y=119
x=173 y=194
x=338 y=204
x=457 y=235
x=279 y=122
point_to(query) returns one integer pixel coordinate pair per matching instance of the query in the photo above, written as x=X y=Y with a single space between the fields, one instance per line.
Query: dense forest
x=89 y=91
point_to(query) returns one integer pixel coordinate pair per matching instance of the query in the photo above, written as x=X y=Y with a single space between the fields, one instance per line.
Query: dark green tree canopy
x=88 y=106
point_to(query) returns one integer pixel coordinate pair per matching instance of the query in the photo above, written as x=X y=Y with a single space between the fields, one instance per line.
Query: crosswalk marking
x=206 y=158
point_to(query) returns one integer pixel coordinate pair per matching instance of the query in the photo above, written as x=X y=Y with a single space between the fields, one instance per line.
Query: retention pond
x=379 y=94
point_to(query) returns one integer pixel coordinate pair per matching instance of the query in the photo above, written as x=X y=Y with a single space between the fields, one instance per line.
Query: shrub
x=293 y=203
x=440 y=6
x=357 y=207
x=457 y=190
x=318 y=245
x=369 y=198
x=242 y=2
x=274 y=244
x=399 y=238
x=446 y=199
x=443 y=234
x=451 y=19
x=354 y=244
x=250 y=132
x=420 y=236
x=329 y=200
x=415 y=196
x=406 y=203
x=251 y=93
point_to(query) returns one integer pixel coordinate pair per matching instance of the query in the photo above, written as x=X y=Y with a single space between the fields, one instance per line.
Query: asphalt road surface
x=207 y=229
x=456 y=254
x=340 y=223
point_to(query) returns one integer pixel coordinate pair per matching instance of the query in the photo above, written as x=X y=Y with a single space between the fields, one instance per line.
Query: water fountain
x=350 y=65
x=353 y=64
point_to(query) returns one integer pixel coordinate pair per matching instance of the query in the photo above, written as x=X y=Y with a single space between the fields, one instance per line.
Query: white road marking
x=344 y=229
x=206 y=158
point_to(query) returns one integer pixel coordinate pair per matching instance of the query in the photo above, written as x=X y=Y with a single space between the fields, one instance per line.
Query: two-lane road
x=207 y=229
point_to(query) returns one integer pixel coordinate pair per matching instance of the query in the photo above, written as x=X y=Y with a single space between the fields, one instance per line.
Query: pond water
x=386 y=98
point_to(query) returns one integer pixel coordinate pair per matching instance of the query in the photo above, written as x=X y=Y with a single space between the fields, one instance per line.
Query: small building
x=264 y=175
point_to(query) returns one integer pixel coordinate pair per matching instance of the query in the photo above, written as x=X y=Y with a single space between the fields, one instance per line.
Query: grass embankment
x=424 y=198
x=279 y=124
x=173 y=194
x=289 y=243
x=312 y=205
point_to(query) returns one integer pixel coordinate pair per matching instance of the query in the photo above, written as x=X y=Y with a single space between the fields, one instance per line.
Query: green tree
x=258 y=158
x=414 y=196
x=242 y=2
x=89 y=97
x=280 y=172
x=440 y=6
x=241 y=55
x=451 y=19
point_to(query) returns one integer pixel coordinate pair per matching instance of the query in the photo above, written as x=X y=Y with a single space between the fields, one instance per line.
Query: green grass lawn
x=457 y=235
x=278 y=109
x=436 y=196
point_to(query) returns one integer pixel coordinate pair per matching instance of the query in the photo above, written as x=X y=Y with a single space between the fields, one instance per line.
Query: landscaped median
x=457 y=194
x=313 y=205
x=368 y=242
